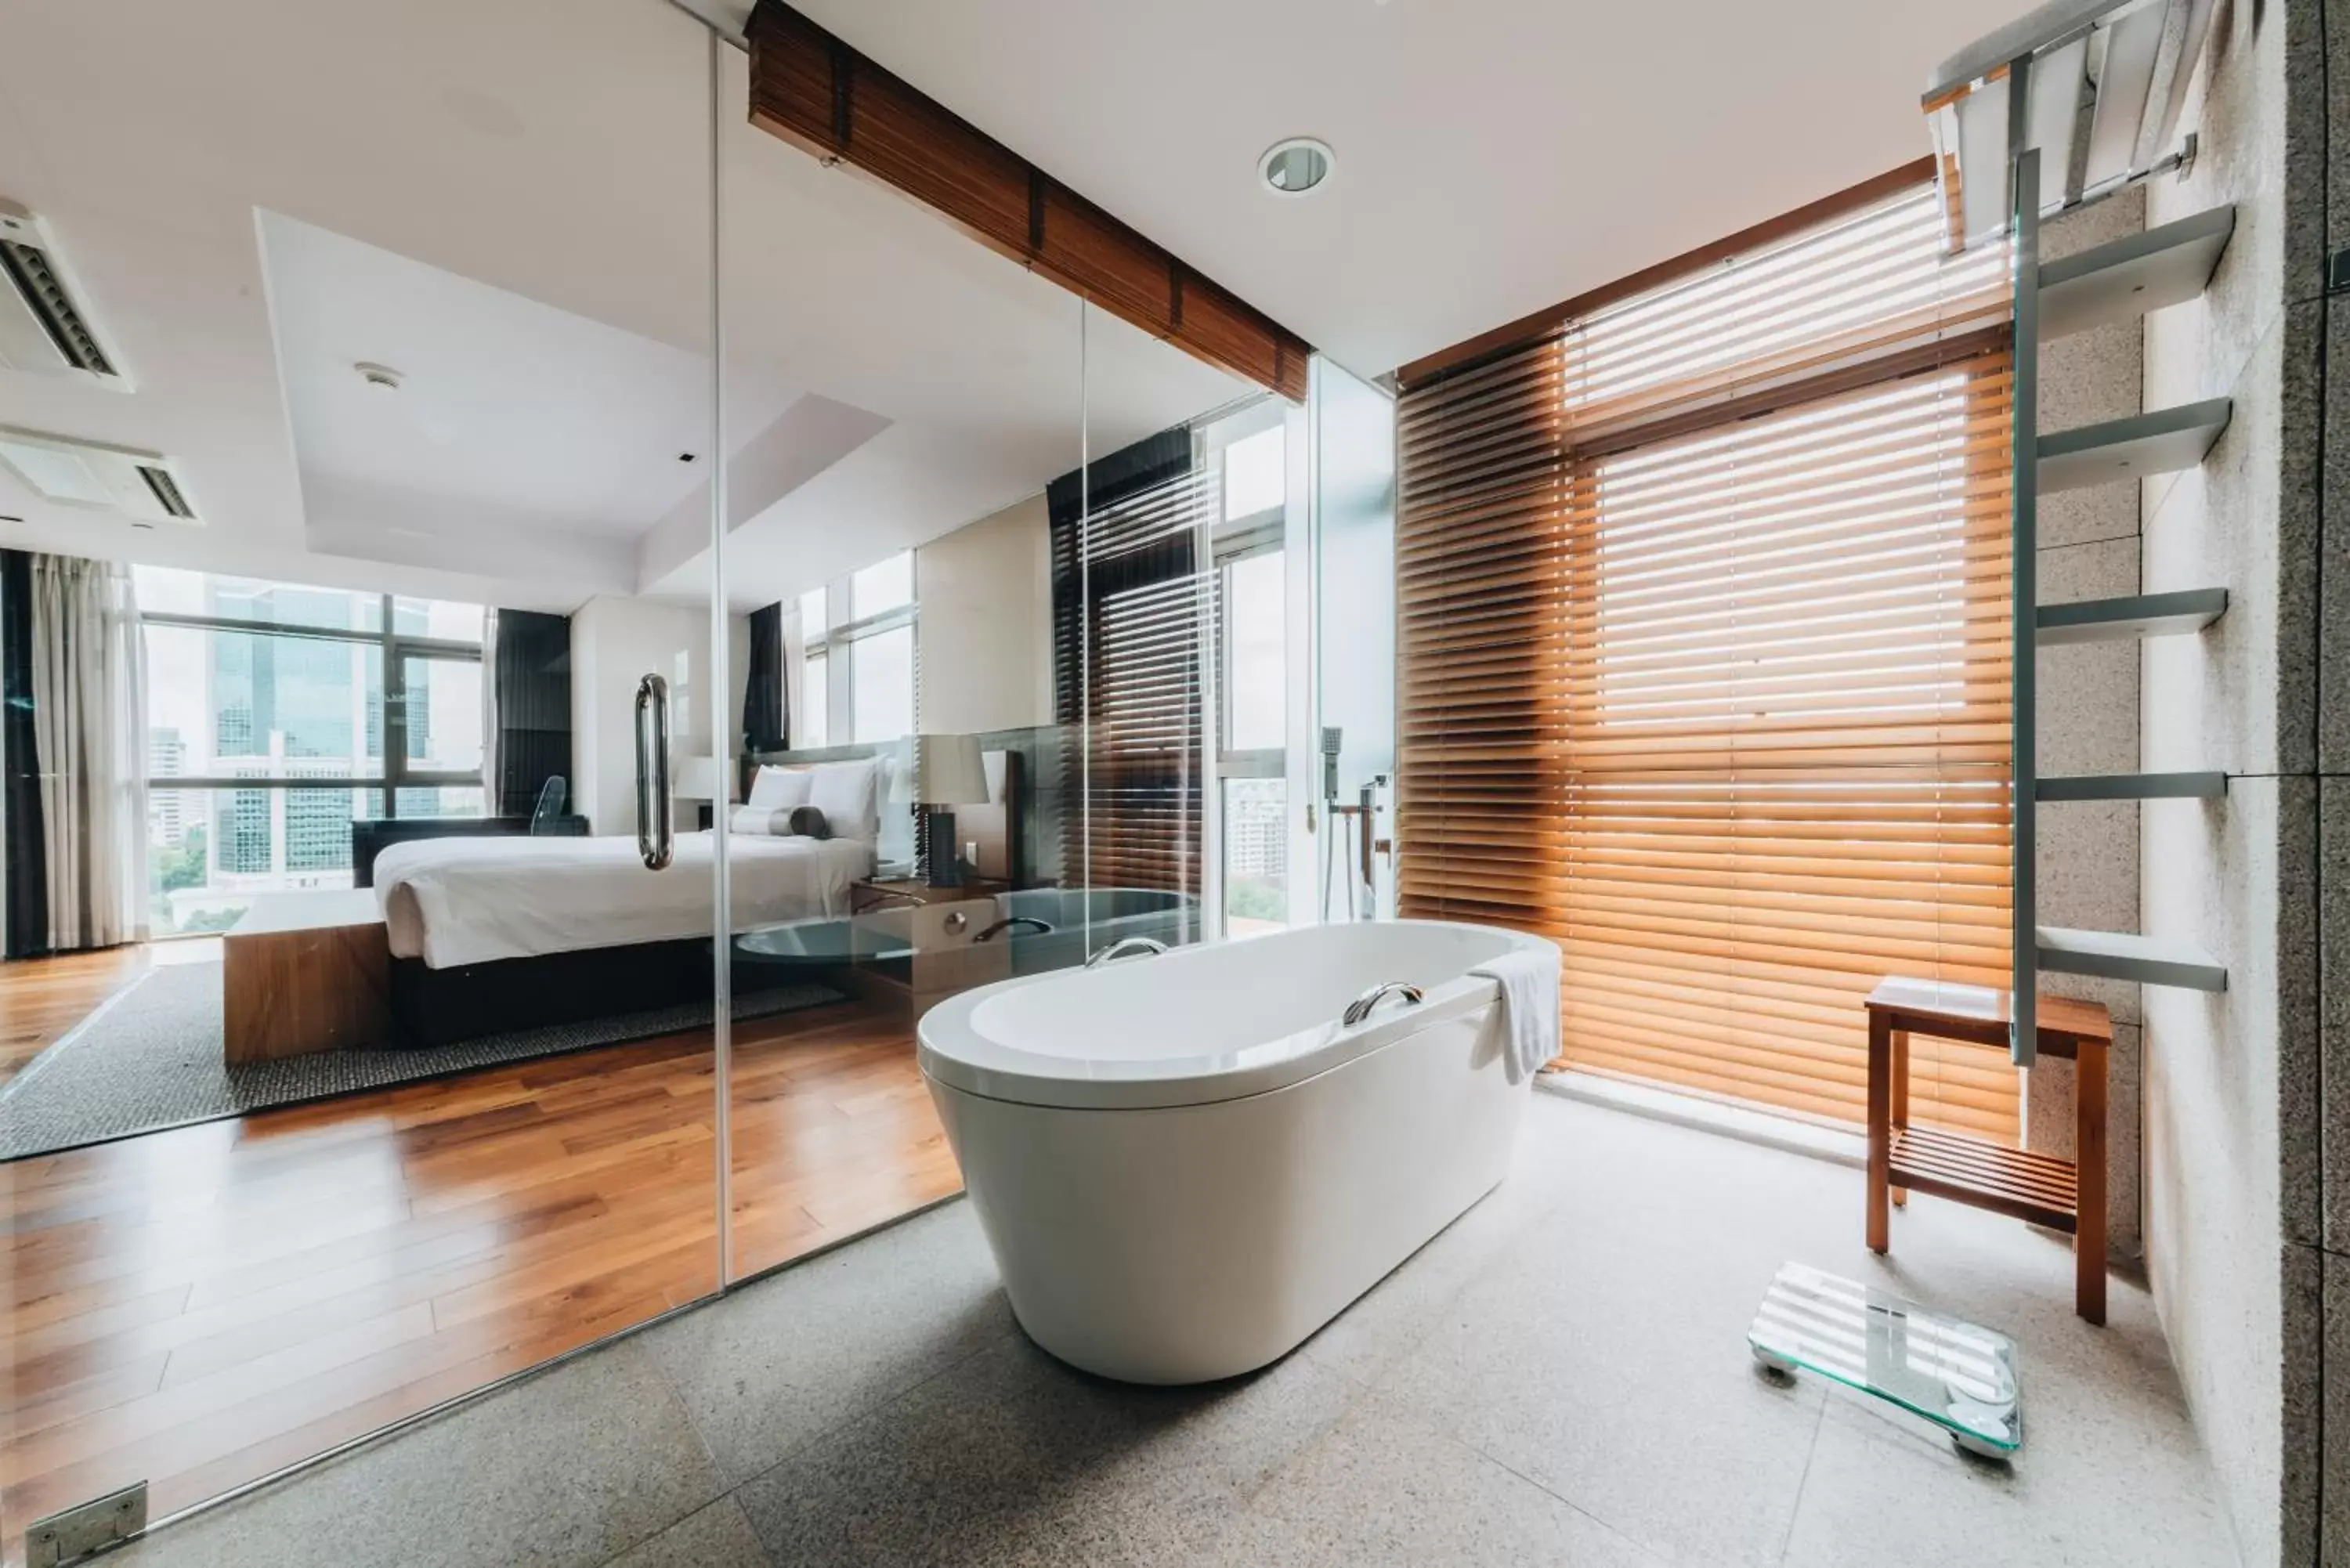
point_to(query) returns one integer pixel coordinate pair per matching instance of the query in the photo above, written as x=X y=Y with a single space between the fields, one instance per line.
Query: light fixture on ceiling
x=1294 y=166
x=2095 y=85
x=375 y=375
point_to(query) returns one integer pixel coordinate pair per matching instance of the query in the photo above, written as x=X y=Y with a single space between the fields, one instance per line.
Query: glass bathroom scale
x=1958 y=1374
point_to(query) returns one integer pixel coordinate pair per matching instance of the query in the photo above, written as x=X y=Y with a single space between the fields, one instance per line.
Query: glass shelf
x=1958 y=1374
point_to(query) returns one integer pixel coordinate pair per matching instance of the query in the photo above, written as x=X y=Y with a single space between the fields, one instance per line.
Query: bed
x=459 y=901
x=489 y=935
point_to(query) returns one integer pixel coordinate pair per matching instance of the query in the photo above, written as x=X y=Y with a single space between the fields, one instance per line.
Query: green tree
x=181 y=865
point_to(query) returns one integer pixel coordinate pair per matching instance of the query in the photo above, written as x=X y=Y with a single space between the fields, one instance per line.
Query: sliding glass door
x=361 y=936
x=609 y=621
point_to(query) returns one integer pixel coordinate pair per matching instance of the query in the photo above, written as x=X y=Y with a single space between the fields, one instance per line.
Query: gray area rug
x=150 y=1058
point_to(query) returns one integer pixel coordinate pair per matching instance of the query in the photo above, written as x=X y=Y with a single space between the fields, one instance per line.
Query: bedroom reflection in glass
x=452 y=1059
x=1170 y=552
x=897 y=400
x=881 y=686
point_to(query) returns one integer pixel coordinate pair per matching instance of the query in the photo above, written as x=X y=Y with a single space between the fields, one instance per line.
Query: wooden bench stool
x=2060 y=1194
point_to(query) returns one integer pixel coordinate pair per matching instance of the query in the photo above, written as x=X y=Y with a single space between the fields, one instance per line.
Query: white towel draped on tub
x=1529 y=980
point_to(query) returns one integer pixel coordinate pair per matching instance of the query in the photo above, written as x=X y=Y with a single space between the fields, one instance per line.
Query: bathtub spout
x=1361 y=1008
x=1124 y=948
x=1040 y=927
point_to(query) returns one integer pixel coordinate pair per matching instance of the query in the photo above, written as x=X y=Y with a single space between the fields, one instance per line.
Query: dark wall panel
x=534 y=677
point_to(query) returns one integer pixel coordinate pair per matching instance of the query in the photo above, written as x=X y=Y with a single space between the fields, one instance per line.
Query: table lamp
x=947 y=771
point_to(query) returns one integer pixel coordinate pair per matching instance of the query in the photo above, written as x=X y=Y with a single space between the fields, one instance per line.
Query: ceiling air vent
x=42 y=327
x=166 y=491
x=141 y=486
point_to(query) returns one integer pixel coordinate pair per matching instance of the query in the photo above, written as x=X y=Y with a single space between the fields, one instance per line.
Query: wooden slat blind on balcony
x=1705 y=668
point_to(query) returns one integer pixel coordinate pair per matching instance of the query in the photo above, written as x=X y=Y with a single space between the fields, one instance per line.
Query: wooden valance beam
x=817 y=93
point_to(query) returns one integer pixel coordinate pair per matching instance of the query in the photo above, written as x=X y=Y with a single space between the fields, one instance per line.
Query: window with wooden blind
x=1704 y=658
x=1129 y=596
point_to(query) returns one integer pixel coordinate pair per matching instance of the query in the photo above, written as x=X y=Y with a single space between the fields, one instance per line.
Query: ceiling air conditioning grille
x=166 y=491
x=144 y=486
x=45 y=295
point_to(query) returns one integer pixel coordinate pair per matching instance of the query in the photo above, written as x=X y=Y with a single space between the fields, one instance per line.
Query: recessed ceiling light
x=375 y=375
x=1296 y=166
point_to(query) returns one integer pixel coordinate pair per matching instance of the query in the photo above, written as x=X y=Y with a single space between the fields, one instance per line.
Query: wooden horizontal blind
x=1705 y=662
x=1480 y=544
x=1130 y=650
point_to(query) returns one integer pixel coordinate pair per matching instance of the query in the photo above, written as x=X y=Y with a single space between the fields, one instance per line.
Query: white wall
x=2233 y=1194
x=614 y=643
x=986 y=593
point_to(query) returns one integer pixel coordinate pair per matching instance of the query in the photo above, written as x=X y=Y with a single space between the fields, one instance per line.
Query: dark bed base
x=442 y=1006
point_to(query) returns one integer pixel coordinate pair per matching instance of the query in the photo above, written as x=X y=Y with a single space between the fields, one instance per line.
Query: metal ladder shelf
x=2163 y=441
x=2108 y=284
x=2118 y=955
x=2131 y=616
x=2132 y=786
x=2134 y=274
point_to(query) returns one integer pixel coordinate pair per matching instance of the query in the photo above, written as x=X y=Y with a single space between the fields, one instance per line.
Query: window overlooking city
x=1253 y=628
x=859 y=656
x=277 y=714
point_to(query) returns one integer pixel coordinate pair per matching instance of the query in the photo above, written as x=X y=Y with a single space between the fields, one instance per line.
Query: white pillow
x=761 y=822
x=848 y=793
x=780 y=789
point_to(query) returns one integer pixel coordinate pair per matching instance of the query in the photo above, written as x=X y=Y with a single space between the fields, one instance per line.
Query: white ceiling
x=508 y=203
x=514 y=419
x=1493 y=156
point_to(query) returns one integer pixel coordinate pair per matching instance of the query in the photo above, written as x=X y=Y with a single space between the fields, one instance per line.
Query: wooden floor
x=42 y=998
x=199 y=1307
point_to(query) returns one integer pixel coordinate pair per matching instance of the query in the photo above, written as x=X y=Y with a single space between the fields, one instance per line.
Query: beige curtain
x=89 y=728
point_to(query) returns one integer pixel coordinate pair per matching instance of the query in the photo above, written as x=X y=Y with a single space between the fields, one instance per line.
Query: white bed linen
x=453 y=902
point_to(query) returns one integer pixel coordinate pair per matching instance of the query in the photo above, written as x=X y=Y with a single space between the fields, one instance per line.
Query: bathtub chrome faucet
x=1361 y=1008
x=1126 y=947
x=1041 y=927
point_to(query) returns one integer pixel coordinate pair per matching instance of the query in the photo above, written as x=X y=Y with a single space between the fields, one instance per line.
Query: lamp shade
x=698 y=779
x=946 y=771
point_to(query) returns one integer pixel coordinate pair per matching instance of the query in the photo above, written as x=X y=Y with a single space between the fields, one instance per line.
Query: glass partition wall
x=1175 y=637
x=1354 y=622
x=633 y=683
x=897 y=400
x=387 y=1073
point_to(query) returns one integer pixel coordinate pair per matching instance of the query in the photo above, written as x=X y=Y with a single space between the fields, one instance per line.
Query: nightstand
x=867 y=892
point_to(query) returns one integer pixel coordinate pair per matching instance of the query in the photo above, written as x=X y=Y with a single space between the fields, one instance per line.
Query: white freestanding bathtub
x=1186 y=1164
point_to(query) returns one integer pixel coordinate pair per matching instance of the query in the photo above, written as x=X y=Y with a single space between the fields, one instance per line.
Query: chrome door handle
x=656 y=822
x=1361 y=1008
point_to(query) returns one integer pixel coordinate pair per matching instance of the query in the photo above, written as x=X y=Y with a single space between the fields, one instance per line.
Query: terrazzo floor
x=1561 y=1377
